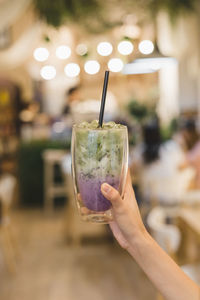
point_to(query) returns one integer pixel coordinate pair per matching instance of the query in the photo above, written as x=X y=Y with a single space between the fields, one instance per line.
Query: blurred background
x=53 y=56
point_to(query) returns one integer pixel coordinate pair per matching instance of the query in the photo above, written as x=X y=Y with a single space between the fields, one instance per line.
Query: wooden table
x=189 y=224
x=191 y=216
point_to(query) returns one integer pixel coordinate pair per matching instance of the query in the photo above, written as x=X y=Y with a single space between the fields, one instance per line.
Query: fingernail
x=106 y=187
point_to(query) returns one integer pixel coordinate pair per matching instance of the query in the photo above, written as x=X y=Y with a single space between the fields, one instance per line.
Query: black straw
x=103 y=98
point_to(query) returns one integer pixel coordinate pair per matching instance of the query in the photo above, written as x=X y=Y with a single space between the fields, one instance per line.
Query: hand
x=127 y=224
x=131 y=234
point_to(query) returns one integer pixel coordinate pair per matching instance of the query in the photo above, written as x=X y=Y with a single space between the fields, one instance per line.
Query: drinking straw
x=103 y=98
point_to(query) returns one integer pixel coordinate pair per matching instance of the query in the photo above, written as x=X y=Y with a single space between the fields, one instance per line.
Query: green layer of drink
x=99 y=151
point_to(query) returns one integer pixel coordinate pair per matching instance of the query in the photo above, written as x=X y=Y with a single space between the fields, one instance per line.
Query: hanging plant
x=141 y=112
x=96 y=15
x=174 y=8
x=88 y=13
x=56 y=13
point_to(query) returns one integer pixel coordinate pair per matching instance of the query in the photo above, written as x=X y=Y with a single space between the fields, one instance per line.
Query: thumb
x=111 y=194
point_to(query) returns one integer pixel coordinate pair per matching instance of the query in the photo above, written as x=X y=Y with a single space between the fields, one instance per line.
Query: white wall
x=182 y=40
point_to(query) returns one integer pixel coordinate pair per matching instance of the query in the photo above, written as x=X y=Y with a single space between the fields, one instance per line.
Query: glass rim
x=76 y=127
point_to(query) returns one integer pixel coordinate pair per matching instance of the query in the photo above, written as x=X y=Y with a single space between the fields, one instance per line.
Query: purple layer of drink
x=98 y=155
x=90 y=190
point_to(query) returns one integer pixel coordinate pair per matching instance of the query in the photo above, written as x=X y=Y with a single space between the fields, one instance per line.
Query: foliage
x=173 y=7
x=30 y=172
x=143 y=113
x=168 y=131
x=90 y=13
x=57 y=12
x=140 y=112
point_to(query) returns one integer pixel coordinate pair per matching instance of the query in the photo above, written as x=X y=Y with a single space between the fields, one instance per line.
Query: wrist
x=138 y=242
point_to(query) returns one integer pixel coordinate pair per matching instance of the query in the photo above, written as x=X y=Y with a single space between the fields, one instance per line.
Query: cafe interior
x=53 y=57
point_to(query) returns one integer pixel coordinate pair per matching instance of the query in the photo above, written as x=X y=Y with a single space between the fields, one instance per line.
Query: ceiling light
x=115 y=64
x=92 y=67
x=148 y=65
x=41 y=54
x=146 y=47
x=72 y=70
x=63 y=52
x=81 y=49
x=104 y=48
x=48 y=72
x=125 y=47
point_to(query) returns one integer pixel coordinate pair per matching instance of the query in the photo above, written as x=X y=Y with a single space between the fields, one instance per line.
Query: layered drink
x=99 y=154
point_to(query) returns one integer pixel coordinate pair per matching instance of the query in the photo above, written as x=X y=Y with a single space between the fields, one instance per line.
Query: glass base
x=97 y=217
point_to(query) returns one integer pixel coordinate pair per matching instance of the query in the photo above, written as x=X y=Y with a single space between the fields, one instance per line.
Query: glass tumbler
x=98 y=155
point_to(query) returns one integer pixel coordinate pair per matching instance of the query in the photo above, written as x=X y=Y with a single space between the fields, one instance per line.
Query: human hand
x=131 y=234
x=127 y=224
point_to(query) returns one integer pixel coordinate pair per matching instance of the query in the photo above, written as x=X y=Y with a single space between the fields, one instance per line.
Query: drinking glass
x=98 y=155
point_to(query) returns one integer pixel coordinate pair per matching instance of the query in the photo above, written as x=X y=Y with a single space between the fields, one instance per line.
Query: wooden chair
x=8 y=243
x=52 y=157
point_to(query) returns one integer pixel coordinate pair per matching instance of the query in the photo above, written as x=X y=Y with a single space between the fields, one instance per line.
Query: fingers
x=128 y=178
x=128 y=192
x=111 y=194
x=128 y=184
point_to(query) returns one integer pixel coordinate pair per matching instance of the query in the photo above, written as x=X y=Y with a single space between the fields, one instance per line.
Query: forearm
x=165 y=274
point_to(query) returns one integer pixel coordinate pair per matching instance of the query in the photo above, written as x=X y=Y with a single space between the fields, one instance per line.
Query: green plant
x=168 y=131
x=30 y=169
x=95 y=15
x=57 y=12
x=140 y=112
x=173 y=7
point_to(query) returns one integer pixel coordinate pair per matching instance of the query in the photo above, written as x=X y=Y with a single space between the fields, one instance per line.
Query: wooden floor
x=50 y=269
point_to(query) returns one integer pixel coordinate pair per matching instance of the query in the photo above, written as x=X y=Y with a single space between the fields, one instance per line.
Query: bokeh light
x=81 y=49
x=104 y=48
x=115 y=64
x=48 y=72
x=125 y=47
x=146 y=47
x=63 y=52
x=92 y=67
x=41 y=54
x=72 y=70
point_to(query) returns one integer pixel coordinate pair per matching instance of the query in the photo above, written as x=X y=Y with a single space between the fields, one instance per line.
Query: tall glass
x=98 y=155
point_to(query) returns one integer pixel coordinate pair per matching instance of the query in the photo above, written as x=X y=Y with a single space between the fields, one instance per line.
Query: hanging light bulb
x=48 y=72
x=146 y=47
x=125 y=47
x=63 y=52
x=104 y=48
x=72 y=70
x=115 y=64
x=81 y=49
x=41 y=54
x=92 y=67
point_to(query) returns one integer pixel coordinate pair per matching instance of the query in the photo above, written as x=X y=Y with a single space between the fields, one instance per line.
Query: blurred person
x=30 y=112
x=193 y=159
x=145 y=157
x=132 y=235
x=72 y=98
x=7 y=179
x=35 y=124
x=189 y=134
x=192 y=142
x=147 y=151
x=62 y=126
x=152 y=141
x=157 y=167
